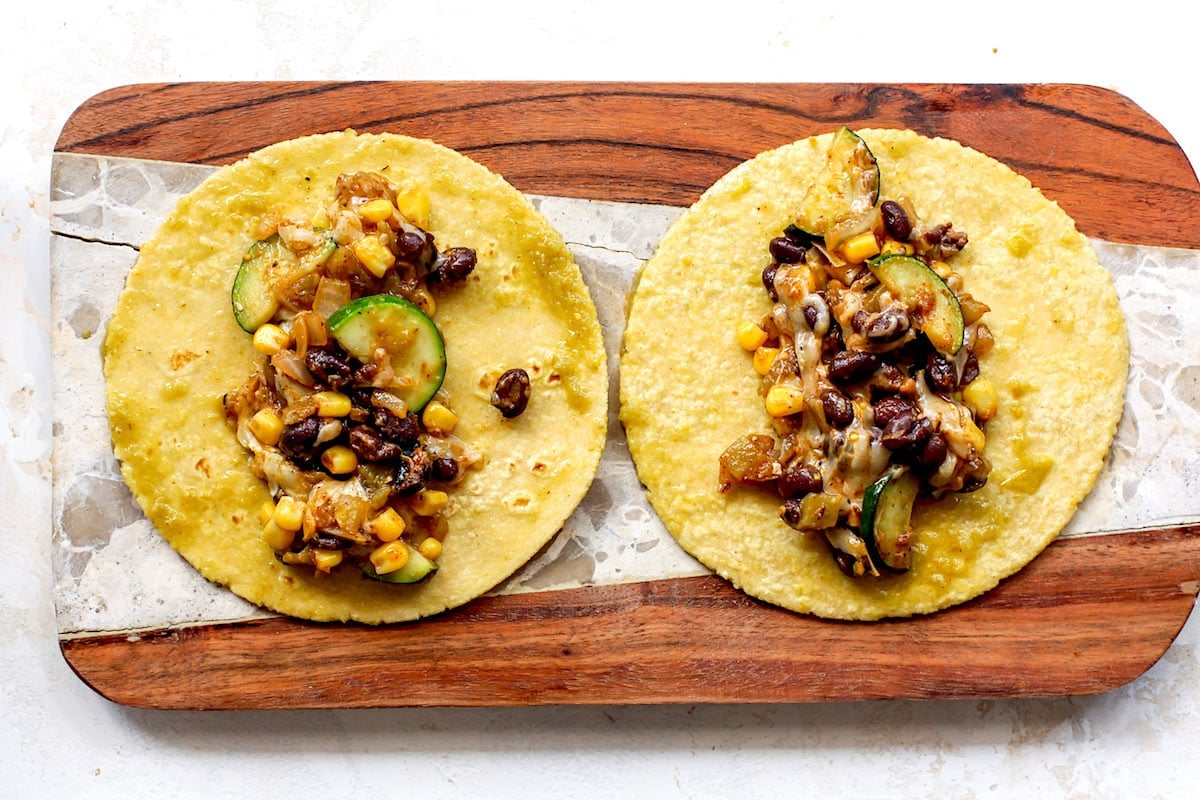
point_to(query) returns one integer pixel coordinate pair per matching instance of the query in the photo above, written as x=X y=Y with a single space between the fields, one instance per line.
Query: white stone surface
x=56 y=733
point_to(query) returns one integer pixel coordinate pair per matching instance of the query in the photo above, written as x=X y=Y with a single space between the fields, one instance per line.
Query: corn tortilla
x=1059 y=366
x=172 y=350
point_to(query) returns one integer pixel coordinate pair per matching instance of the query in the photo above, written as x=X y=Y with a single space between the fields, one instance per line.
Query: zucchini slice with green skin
x=847 y=184
x=417 y=568
x=886 y=524
x=932 y=305
x=265 y=262
x=410 y=338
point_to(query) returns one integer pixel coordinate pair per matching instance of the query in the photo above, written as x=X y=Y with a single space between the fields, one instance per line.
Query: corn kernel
x=386 y=526
x=277 y=538
x=430 y=547
x=332 y=404
x=339 y=460
x=783 y=401
x=414 y=205
x=326 y=560
x=374 y=255
x=376 y=210
x=429 y=502
x=941 y=268
x=267 y=426
x=891 y=248
x=438 y=419
x=289 y=513
x=389 y=557
x=320 y=220
x=861 y=247
x=750 y=336
x=980 y=396
x=266 y=511
x=269 y=339
x=764 y=359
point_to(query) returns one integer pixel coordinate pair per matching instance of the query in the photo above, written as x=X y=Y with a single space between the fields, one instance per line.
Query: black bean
x=412 y=472
x=895 y=221
x=394 y=428
x=410 y=245
x=512 y=392
x=454 y=265
x=369 y=445
x=444 y=469
x=330 y=366
x=933 y=452
x=798 y=479
x=832 y=343
x=852 y=366
x=815 y=307
x=299 y=440
x=768 y=279
x=888 y=408
x=905 y=432
x=939 y=372
x=970 y=370
x=839 y=411
x=786 y=251
x=859 y=321
x=792 y=511
x=364 y=374
x=887 y=326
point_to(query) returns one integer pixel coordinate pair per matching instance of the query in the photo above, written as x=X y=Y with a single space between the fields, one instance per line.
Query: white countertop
x=1137 y=741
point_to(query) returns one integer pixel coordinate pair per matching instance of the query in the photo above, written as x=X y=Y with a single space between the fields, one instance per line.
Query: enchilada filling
x=870 y=369
x=344 y=416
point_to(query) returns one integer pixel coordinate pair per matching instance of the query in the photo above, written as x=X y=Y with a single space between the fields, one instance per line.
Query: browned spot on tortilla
x=181 y=358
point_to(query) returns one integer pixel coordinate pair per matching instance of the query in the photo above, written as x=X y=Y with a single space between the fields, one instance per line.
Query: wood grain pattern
x=1108 y=163
x=1079 y=619
x=1088 y=615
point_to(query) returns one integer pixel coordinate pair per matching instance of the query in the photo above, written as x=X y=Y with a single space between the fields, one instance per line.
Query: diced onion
x=389 y=401
x=291 y=364
x=331 y=295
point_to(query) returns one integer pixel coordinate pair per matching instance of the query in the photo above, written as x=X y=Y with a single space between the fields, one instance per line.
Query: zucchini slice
x=411 y=340
x=932 y=305
x=886 y=525
x=267 y=262
x=848 y=184
x=417 y=568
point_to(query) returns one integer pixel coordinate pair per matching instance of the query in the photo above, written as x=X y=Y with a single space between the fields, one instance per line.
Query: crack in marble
x=96 y=240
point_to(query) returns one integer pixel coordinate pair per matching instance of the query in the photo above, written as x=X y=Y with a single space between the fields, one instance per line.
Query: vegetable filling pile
x=870 y=369
x=345 y=417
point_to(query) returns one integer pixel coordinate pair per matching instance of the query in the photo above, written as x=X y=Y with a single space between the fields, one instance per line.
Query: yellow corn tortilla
x=173 y=349
x=1059 y=365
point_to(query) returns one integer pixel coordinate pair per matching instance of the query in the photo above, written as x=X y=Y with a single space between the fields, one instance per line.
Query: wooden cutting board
x=1088 y=615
